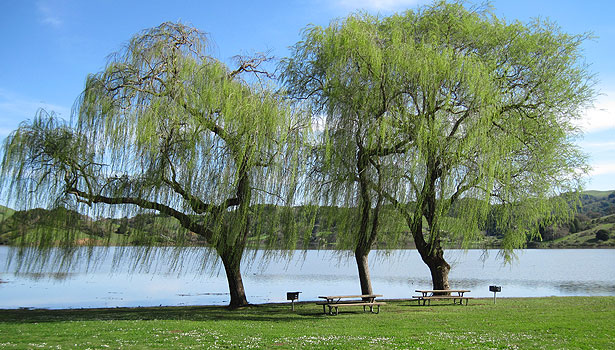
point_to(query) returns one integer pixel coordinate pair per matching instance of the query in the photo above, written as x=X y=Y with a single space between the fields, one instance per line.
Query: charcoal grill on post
x=495 y=289
x=292 y=296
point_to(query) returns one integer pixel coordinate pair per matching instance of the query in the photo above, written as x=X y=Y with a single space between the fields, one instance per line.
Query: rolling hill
x=595 y=213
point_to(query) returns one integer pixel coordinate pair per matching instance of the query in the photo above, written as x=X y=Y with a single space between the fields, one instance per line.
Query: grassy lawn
x=532 y=323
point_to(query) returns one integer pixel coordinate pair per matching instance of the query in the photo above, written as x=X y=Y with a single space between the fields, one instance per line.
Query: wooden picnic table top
x=425 y=291
x=331 y=297
x=442 y=290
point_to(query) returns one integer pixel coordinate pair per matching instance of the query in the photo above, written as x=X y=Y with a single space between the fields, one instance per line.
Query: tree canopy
x=448 y=115
x=344 y=72
x=458 y=110
x=166 y=127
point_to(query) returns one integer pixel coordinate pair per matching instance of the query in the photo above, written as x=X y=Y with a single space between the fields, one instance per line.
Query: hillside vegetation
x=5 y=212
x=593 y=226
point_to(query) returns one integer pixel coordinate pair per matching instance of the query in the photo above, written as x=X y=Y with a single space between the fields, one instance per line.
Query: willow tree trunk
x=362 y=265
x=231 y=249
x=433 y=256
x=439 y=269
x=232 y=267
x=366 y=235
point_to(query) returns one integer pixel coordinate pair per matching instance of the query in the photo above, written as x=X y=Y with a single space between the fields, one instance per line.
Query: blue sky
x=49 y=46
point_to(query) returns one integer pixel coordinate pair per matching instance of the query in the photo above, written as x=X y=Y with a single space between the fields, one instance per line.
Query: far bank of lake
x=168 y=279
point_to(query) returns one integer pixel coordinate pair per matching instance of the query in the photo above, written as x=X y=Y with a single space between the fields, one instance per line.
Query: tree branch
x=184 y=219
x=251 y=65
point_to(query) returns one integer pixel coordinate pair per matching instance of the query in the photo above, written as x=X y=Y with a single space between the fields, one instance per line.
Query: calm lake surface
x=166 y=279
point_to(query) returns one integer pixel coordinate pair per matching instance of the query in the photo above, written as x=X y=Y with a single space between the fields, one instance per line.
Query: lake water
x=395 y=274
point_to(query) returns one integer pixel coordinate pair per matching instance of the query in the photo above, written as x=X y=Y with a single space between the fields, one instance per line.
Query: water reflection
x=590 y=288
x=37 y=276
x=193 y=278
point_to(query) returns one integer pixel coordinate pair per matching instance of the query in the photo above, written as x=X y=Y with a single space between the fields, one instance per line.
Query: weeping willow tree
x=494 y=107
x=165 y=128
x=465 y=112
x=345 y=72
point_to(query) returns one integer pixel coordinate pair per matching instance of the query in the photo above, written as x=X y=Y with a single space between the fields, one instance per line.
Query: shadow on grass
x=257 y=312
x=278 y=313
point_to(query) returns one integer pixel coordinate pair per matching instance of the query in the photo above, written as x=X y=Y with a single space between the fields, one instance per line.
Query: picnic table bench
x=430 y=294
x=334 y=302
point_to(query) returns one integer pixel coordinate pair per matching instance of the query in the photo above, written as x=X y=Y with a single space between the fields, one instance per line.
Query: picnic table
x=334 y=302
x=428 y=294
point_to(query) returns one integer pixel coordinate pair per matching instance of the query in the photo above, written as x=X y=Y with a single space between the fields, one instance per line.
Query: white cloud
x=318 y=123
x=601 y=116
x=603 y=169
x=48 y=15
x=378 y=5
x=15 y=108
x=598 y=146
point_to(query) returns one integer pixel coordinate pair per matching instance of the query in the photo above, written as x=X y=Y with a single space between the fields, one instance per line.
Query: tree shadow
x=266 y=313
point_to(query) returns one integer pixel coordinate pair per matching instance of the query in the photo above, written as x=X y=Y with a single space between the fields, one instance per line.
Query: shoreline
x=276 y=304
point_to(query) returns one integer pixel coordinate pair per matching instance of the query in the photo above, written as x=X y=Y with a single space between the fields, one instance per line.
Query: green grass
x=531 y=323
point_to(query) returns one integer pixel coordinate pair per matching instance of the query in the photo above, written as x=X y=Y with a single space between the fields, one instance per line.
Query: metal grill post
x=495 y=289
x=292 y=296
